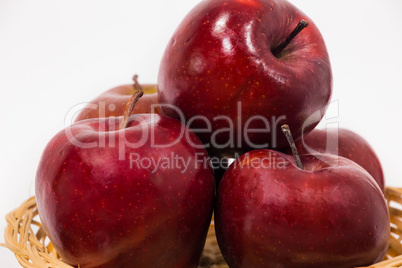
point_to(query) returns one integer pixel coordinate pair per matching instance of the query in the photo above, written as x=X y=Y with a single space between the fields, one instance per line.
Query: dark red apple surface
x=222 y=67
x=344 y=143
x=113 y=102
x=105 y=200
x=270 y=213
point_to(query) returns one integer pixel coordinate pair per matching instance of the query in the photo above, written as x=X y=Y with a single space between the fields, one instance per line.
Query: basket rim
x=27 y=239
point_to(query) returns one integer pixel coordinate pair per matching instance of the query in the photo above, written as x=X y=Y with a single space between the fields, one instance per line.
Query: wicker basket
x=26 y=238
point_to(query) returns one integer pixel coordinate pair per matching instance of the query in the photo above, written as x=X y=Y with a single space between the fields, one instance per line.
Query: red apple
x=234 y=71
x=271 y=213
x=136 y=196
x=113 y=102
x=344 y=143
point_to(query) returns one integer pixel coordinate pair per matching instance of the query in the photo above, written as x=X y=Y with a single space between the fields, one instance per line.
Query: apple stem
x=286 y=130
x=299 y=27
x=138 y=92
x=136 y=85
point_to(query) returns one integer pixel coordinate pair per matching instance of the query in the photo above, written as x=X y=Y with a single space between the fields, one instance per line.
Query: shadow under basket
x=26 y=238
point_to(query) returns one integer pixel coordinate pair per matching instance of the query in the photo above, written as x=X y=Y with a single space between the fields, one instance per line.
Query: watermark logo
x=176 y=161
x=109 y=135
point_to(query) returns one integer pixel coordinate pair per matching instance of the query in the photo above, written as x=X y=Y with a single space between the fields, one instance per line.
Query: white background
x=56 y=54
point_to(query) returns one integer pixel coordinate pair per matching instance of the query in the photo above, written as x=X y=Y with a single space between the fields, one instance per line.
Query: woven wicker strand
x=26 y=238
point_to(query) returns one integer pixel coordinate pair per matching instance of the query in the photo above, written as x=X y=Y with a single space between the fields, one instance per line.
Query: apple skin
x=345 y=143
x=99 y=211
x=113 y=102
x=331 y=214
x=221 y=55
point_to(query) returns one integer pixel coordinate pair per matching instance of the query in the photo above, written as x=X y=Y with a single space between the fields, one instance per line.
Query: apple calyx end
x=286 y=130
x=299 y=27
